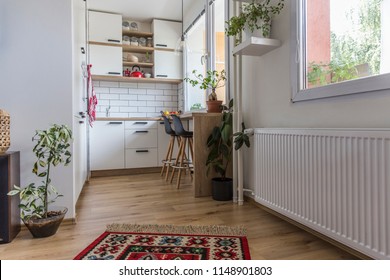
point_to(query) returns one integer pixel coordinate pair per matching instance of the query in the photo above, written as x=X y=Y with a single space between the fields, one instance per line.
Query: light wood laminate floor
x=148 y=199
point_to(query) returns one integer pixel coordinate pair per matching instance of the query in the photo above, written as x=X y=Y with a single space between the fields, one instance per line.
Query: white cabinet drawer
x=136 y=158
x=141 y=138
x=140 y=124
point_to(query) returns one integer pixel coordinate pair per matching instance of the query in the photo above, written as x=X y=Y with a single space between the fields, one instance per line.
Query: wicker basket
x=5 y=139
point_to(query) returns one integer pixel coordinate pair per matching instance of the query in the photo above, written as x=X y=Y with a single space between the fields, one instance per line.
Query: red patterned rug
x=168 y=242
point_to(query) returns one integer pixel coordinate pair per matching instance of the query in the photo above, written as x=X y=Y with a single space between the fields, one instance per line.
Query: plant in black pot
x=51 y=149
x=220 y=143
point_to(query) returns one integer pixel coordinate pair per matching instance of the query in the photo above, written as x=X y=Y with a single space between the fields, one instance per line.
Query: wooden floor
x=147 y=199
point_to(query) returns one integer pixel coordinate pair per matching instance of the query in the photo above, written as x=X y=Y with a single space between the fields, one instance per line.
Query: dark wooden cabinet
x=9 y=205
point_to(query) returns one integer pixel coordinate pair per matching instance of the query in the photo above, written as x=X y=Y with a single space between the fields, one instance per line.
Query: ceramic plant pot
x=46 y=227
x=222 y=189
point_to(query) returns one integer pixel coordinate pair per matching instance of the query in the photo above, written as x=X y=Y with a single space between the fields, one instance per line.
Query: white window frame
x=298 y=67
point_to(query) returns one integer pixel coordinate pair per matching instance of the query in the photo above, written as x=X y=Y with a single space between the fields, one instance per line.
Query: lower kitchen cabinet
x=141 y=157
x=107 y=145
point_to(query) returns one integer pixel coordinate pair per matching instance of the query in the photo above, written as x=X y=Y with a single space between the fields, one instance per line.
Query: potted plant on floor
x=220 y=143
x=254 y=19
x=212 y=80
x=51 y=149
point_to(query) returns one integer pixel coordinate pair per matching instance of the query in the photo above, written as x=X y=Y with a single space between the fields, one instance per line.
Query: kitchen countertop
x=129 y=119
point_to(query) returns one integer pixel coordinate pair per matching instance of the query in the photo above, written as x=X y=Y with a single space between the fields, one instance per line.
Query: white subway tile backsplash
x=163 y=86
x=170 y=104
x=119 y=90
x=130 y=97
x=137 y=103
x=95 y=83
x=164 y=98
x=146 y=97
x=109 y=84
x=101 y=90
x=137 y=99
x=100 y=115
x=137 y=91
x=147 y=85
x=155 y=92
x=129 y=109
x=119 y=103
x=155 y=103
x=147 y=109
x=119 y=115
x=170 y=92
x=108 y=96
x=137 y=115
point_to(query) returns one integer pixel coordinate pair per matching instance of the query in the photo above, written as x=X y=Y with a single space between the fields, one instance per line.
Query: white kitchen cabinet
x=140 y=144
x=105 y=27
x=168 y=65
x=105 y=60
x=107 y=145
x=166 y=33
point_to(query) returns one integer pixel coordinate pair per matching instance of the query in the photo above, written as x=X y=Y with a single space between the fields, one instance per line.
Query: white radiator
x=336 y=182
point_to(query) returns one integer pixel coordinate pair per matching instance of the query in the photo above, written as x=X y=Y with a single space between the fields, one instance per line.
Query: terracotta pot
x=46 y=227
x=214 y=106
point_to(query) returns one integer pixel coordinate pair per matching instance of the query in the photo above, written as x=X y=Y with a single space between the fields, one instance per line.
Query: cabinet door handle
x=161 y=122
x=141 y=131
x=141 y=123
x=163 y=76
x=114 y=41
x=142 y=151
x=115 y=123
x=114 y=73
x=162 y=45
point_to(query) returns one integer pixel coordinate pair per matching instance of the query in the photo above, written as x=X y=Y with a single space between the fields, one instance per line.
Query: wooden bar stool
x=168 y=161
x=182 y=161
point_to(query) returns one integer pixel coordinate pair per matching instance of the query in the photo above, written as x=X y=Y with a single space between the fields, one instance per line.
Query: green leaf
x=13 y=192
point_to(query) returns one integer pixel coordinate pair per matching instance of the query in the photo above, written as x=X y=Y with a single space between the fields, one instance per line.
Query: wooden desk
x=203 y=124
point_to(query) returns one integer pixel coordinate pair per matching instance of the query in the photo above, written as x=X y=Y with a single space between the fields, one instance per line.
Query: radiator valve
x=249 y=131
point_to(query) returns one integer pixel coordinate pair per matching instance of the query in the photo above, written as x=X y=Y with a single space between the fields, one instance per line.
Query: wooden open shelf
x=134 y=80
x=137 y=33
x=140 y=64
x=137 y=49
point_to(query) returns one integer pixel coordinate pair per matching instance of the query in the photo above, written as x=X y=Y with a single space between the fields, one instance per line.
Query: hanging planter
x=5 y=135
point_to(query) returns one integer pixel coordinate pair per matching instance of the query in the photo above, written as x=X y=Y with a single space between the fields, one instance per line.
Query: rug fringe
x=174 y=229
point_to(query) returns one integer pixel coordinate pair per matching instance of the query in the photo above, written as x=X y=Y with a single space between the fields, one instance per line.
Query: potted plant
x=220 y=143
x=51 y=149
x=212 y=80
x=254 y=16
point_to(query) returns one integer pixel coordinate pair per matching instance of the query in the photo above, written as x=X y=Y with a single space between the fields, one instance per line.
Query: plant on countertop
x=221 y=142
x=254 y=16
x=51 y=149
x=212 y=80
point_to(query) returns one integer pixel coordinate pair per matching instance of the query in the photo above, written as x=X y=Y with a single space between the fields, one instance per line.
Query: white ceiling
x=142 y=10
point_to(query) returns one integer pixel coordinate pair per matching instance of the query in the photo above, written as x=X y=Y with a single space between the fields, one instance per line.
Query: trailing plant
x=212 y=80
x=254 y=16
x=51 y=149
x=220 y=142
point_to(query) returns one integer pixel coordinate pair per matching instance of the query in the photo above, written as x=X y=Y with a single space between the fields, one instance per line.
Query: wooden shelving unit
x=137 y=33
x=134 y=80
x=140 y=64
x=255 y=46
x=137 y=49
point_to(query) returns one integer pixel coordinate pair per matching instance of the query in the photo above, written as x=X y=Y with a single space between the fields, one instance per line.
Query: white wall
x=266 y=97
x=36 y=78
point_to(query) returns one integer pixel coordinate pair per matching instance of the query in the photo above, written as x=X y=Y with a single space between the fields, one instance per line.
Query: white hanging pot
x=263 y=32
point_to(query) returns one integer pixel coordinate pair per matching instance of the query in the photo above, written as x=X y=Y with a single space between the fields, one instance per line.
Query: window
x=205 y=50
x=342 y=47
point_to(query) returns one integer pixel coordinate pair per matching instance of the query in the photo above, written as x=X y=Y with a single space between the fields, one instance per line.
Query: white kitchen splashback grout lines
x=135 y=99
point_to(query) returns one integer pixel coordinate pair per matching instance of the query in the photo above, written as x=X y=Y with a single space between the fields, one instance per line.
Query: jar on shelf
x=126 y=40
x=134 y=41
x=149 y=42
x=142 y=42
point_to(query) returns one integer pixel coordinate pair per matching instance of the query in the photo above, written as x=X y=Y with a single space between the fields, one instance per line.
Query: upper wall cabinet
x=166 y=33
x=105 y=27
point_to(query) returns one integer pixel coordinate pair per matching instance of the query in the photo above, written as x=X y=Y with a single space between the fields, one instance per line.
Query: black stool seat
x=179 y=129
x=168 y=127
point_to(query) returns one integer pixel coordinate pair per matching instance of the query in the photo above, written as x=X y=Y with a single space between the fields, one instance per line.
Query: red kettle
x=136 y=72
